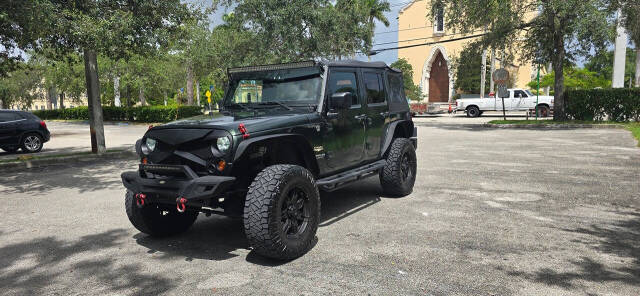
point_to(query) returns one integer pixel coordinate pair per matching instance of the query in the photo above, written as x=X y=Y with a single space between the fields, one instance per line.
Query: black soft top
x=360 y=64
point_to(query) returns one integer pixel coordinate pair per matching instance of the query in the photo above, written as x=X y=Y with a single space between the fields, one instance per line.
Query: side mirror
x=340 y=100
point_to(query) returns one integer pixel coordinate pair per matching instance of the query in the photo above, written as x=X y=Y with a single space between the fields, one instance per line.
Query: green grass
x=635 y=130
x=634 y=127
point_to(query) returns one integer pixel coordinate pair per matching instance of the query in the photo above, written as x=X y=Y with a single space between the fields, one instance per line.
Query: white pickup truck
x=519 y=99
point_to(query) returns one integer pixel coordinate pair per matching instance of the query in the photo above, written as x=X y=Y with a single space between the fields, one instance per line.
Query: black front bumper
x=174 y=181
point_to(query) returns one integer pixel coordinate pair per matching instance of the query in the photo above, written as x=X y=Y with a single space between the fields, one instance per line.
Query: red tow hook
x=181 y=204
x=140 y=197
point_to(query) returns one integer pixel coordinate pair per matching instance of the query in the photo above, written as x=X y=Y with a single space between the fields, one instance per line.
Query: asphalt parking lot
x=73 y=137
x=493 y=212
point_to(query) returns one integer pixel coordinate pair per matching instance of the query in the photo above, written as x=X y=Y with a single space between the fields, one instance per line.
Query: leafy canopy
x=411 y=90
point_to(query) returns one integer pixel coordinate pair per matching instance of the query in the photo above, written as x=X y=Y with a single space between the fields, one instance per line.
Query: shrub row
x=139 y=114
x=619 y=104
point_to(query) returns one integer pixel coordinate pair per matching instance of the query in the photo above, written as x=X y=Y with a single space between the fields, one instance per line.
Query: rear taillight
x=43 y=124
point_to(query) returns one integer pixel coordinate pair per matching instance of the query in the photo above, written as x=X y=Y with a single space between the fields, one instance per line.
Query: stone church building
x=432 y=65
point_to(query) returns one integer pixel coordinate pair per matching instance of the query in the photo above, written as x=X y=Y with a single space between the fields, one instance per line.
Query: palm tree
x=375 y=10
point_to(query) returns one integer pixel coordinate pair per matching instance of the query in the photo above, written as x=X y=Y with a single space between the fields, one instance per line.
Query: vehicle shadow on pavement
x=218 y=238
x=46 y=265
x=620 y=239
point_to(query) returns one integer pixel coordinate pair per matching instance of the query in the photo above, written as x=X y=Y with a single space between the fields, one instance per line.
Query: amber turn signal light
x=221 y=165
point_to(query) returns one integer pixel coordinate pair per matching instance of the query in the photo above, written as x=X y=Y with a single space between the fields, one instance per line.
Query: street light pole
x=538 y=92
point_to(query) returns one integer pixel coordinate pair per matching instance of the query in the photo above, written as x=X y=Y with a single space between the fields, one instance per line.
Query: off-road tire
x=31 y=143
x=158 y=220
x=393 y=177
x=473 y=111
x=263 y=212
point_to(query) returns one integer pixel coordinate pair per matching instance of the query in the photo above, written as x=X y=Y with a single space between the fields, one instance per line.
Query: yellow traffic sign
x=208 y=94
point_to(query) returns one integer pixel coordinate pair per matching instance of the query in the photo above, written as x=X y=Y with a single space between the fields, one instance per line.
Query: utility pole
x=492 y=86
x=547 y=90
x=620 y=53
x=483 y=75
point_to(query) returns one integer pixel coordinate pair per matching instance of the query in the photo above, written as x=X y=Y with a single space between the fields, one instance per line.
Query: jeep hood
x=230 y=121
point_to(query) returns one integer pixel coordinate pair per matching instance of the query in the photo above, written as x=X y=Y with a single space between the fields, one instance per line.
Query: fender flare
x=390 y=134
x=309 y=159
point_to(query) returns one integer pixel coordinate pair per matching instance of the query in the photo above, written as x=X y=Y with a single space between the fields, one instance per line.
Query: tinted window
x=375 y=89
x=396 y=87
x=9 y=116
x=519 y=93
x=344 y=82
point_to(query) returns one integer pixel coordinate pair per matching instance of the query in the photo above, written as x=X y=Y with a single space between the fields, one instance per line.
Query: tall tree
x=412 y=91
x=551 y=30
x=631 y=12
x=467 y=65
x=375 y=10
x=110 y=27
x=286 y=30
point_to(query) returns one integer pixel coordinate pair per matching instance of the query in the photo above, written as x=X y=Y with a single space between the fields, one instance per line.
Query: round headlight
x=149 y=146
x=223 y=144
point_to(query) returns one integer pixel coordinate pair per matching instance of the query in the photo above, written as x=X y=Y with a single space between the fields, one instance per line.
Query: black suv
x=19 y=129
x=284 y=132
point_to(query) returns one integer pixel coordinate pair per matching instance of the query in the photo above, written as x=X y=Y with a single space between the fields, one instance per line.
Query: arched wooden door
x=439 y=80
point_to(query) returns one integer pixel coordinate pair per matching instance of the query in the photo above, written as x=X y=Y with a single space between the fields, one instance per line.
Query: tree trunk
x=559 y=105
x=141 y=96
x=164 y=92
x=96 y=124
x=198 y=92
x=116 y=91
x=62 y=100
x=51 y=97
x=637 y=84
x=189 y=84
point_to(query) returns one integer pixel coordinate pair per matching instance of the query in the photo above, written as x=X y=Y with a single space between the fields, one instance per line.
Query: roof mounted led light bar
x=272 y=67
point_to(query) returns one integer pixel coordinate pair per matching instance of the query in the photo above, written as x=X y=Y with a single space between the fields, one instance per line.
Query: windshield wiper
x=273 y=103
x=238 y=105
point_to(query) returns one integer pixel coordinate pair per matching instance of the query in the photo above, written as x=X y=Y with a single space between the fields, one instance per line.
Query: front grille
x=166 y=155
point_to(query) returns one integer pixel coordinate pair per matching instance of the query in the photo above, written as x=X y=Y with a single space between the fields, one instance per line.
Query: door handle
x=360 y=117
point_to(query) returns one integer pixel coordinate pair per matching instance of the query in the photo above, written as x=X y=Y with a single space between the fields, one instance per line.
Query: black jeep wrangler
x=283 y=133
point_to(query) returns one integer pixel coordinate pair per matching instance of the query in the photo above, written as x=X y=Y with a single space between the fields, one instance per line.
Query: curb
x=554 y=126
x=36 y=163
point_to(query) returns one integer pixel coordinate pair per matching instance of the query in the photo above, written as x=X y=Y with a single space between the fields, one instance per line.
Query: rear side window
x=396 y=90
x=344 y=82
x=375 y=87
x=9 y=116
x=28 y=115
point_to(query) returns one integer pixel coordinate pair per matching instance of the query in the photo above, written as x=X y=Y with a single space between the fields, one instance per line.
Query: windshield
x=529 y=93
x=275 y=88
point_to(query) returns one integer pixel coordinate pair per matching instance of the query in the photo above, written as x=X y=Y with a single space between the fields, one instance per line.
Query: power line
x=405 y=3
x=376 y=51
x=409 y=40
x=395 y=31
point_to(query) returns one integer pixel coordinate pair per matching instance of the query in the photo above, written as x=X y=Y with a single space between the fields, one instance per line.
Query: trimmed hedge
x=618 y=104
x=139 y=114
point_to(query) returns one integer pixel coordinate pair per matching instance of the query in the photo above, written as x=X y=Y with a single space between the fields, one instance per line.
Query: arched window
x=438 y=26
